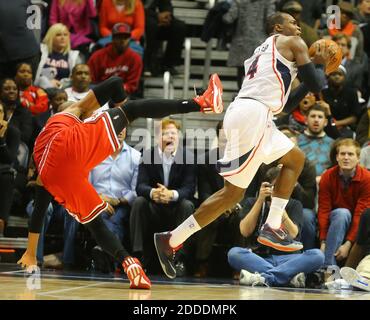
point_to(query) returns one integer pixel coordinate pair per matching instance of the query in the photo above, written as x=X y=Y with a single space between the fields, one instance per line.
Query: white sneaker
x=251 y=279
x=353 y=278
x=298 y=281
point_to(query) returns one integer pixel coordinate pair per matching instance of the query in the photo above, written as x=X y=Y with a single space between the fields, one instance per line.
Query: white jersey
x=268 y=76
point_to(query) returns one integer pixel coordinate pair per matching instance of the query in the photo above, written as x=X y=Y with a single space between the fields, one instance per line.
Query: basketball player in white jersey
x=253 y=139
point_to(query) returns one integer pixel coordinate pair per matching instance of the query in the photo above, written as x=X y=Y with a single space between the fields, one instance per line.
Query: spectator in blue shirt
x=314 y=142
x=115 y=181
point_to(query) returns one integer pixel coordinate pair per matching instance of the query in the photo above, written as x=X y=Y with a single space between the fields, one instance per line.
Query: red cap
x=121 y=28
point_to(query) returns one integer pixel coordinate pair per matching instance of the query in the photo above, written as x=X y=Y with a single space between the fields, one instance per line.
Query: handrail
x=166 y=85
x=187 y=62
x=186 y=68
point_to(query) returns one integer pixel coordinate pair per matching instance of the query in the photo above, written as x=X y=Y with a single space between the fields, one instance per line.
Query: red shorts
x=65 y=152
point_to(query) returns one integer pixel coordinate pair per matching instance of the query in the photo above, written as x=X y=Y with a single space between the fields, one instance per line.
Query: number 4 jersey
x=268 y=76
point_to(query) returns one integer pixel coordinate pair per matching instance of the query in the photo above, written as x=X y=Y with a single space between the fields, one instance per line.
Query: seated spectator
x=115 y=181
x=9 y=143
x=165 y=189
x=56 y=97
x=260 y=265
x=161 y=24
x=350 y=28
x=363 y=128
x=305 y=192
x=80 y=82
x=344 y=193
x=57 y=58
x=343 y=101
x=297 y=119
x=355 y=69
x=314 y=142
x=117 y=59
x=18 y=116
x=32 y=98
x=209 y=182
x=130 y=12
x=76 y=16
x=309 y=34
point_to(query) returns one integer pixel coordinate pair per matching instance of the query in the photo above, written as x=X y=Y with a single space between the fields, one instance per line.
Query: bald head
x=282 y=23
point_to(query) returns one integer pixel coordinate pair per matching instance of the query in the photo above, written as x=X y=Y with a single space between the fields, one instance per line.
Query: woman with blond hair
x=130 y=12
x=75 y=15
x=57 y=58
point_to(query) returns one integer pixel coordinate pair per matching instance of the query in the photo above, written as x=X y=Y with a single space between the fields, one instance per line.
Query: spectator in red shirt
x=344 y=194
x=117 y=59
x=32 y=98
x=130 y=12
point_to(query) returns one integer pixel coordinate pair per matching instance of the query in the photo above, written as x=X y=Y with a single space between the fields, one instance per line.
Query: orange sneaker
x=211 y=100
x=135 y=273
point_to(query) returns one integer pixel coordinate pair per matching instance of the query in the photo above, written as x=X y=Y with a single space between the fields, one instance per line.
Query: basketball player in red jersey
x=253 y=139
x=68 y=148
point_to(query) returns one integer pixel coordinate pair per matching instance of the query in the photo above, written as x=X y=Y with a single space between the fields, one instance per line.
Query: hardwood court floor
x=52 y=285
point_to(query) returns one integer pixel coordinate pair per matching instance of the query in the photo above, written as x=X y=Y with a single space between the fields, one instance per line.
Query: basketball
x=335 y=54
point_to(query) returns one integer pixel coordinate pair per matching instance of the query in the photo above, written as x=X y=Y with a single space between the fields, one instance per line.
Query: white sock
x=184 y=231
x=276 y=212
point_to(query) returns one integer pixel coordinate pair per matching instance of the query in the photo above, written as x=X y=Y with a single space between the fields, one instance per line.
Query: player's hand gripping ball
x=334 y=54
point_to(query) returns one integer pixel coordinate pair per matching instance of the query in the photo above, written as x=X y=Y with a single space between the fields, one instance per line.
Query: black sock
x=157 y=108
x=106 y=239
x=40 y=206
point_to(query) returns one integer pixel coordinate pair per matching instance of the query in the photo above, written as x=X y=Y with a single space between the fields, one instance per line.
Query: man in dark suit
x=165 y=189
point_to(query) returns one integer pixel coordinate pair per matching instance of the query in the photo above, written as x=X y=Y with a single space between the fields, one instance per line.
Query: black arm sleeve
x=313 y=78
x=295 y=97
x=111 y=88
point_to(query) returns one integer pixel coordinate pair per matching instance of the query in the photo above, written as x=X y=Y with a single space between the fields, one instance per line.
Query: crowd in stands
x=84 y=42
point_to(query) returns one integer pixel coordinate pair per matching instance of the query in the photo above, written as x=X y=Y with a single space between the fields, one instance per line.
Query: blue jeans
x=118 y=223
x=70 y=229
x=340 y=221
x=309 y=229
x=276 y=269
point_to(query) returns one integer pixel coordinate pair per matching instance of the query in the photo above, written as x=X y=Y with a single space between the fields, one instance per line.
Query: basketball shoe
x=211 y=100
x=135 y=273
x=355 y=279
x=278 y=239
x=166 y=253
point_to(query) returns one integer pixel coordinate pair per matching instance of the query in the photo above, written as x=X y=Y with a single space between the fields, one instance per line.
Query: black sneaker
x=165 y=253
x=278 y=239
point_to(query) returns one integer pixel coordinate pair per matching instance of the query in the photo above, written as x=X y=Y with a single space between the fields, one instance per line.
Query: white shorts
x=252 y=139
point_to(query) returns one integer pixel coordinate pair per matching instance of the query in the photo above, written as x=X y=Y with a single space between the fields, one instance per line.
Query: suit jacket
x=182 y=176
